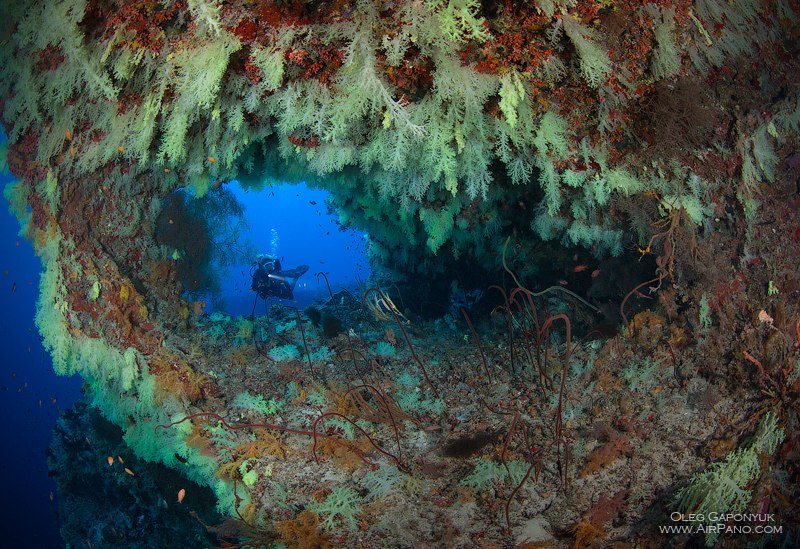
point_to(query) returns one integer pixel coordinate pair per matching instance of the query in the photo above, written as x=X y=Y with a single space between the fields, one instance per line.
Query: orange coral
x=178 y=379
x=303 y=532
x=606 y=454
x=198 y=438
x=266 y=443
x=230 y=470
x=586 y=533
x=348 y=455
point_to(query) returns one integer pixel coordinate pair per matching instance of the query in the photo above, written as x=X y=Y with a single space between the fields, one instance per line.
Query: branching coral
x=185 y=105
x=440 y=127
x=722 y=488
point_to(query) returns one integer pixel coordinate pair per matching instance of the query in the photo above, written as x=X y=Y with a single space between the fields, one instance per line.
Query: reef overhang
x=442 y=128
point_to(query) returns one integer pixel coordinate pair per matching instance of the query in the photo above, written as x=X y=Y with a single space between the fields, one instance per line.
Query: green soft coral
x=723 y=487
x=512 y=91
x=595 y=64
x=438 y=224
x=248 y=471
x=459 y=20
x=342 y=504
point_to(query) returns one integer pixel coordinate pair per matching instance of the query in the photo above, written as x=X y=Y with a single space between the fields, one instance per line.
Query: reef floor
x=388 y=433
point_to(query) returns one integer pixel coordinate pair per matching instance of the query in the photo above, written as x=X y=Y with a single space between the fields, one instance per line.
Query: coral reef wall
x=440 y=127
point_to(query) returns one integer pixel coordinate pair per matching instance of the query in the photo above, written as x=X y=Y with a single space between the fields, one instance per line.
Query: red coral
x=413 y=76
x=607 y=508
x=49 y=59
x=147 y=20
x=252 y=71
x=246 y=30
x=311 y=142
x=317 y=61
x=273 y=15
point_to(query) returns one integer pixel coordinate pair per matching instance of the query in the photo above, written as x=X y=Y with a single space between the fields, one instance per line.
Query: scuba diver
x=269 y=280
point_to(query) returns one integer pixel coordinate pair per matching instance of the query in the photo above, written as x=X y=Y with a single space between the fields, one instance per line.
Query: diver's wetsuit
x=270 y=281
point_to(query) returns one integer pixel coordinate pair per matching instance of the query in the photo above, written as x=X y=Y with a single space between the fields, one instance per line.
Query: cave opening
x=215 y=240
x=294 y=223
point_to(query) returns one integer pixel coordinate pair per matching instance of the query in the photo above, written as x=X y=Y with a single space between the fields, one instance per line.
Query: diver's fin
x=292 y=275
x=297 y=272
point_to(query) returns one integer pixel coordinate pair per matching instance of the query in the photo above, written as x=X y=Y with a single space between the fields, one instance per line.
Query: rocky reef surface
x=610 y=188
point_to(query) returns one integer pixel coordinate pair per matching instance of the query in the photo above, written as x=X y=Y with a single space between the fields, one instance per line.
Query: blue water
x=291 y=221
x=31 y=398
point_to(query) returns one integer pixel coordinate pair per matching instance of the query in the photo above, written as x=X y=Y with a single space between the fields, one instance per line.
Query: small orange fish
x=212 y=159
x=110 y=461
x=120 y=460
x=216 y=184
x=181 y=495
x=595 y=273
x=121 y=149
x=72 y=151
x=131 y=473
x=166 y=170
x=579 y=268
x=69 y=135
